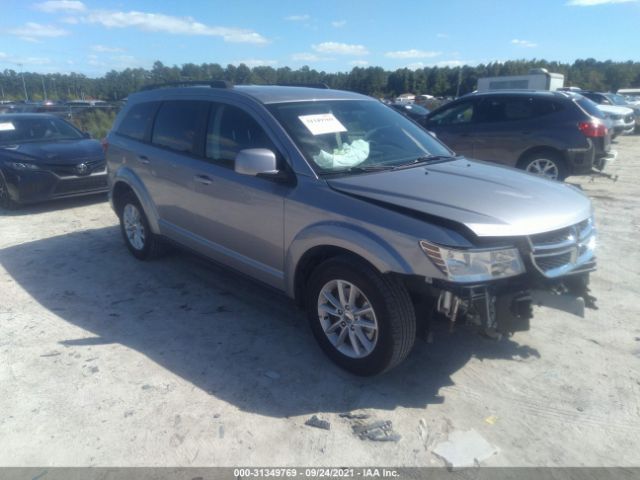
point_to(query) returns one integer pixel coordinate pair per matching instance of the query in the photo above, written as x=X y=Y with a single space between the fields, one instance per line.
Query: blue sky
x=92 y=37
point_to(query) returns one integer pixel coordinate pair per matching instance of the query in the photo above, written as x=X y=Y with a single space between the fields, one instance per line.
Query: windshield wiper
x=426 y=159
x=360 y=169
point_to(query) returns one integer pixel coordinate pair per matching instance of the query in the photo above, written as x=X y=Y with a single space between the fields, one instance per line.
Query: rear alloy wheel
x=545 y=165
x=137 y=234
x=363 y=320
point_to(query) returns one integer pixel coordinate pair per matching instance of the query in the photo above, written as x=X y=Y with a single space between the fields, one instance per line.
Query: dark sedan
x=43 y=157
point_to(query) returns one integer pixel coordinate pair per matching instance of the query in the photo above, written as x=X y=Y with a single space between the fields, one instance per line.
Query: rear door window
x=137 y=120
x=177 y=125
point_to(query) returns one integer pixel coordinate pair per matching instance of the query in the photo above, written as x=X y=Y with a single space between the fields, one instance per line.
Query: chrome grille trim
x=564 y=251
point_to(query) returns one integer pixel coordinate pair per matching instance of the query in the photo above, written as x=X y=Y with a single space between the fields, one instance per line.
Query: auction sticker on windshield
x=322 y=123
x=6 y=127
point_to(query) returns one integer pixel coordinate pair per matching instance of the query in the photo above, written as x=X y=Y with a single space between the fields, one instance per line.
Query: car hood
x=489 y=200
x=65 y=152
x=616 y=110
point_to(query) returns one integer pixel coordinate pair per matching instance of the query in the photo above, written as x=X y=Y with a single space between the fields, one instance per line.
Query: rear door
x=453 y=125
x=174 y=153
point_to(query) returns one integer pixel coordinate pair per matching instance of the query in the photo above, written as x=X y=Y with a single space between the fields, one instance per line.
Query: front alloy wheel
x=348 y=319
x=363 y=320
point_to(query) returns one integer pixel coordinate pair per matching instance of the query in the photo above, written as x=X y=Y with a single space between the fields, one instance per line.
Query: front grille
x=71 y=170
x=563 y=251
x=81 y=184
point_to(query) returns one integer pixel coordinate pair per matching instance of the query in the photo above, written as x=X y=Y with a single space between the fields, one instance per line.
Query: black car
x=555 y=134
x=44 y=157
x=412 y=110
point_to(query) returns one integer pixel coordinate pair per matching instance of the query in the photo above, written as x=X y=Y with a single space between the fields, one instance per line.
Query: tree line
x=375 y=81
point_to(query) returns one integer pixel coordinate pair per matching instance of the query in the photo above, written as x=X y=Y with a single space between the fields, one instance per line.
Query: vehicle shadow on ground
x=53 y=205
x=237 y=340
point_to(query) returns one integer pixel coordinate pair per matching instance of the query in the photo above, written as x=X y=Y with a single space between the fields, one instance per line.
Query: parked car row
x=624 y=115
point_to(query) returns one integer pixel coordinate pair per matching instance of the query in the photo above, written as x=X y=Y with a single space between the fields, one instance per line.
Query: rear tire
x=546 y=164
x=370 y=327
x=134 y=226
x=5 y=199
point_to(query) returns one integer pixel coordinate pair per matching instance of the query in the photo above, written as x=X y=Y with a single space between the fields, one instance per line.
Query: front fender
x=352 y=238
x=128 y=176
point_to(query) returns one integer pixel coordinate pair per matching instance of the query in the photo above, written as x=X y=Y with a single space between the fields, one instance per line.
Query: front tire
x=134 y=225
x=364 y=321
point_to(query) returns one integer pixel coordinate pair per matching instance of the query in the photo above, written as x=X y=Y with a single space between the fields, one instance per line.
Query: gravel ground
x=105 y=360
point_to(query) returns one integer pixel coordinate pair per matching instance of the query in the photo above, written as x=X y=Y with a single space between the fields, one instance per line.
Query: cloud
x=451 y=63
x=33 y=32
x=413 y=53
x=307 y=57
x=524 y=43
x=359 y=63
x=105 y=49
x=255 y=62
x=340 y=48
x=158 y=22
x=3 y=55
x=298 y=18
x=338 y=23
x=442 y=35
x=593 y=3
x=53 y=6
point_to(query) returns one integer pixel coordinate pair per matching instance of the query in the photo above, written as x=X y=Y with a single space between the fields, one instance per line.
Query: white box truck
x=537 y=79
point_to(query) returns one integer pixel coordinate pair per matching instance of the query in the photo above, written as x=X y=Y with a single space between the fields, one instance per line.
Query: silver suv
x=364 y=218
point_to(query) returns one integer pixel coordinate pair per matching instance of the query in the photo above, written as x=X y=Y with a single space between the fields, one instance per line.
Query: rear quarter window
x=589 y=107
x=137 y=120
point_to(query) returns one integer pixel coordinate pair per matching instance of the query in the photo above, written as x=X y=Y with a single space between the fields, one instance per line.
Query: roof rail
x=190 y=83
x=308 y=85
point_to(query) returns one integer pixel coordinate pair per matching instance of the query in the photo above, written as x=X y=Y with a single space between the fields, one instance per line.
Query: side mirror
x=255 y=161
x=87 y=135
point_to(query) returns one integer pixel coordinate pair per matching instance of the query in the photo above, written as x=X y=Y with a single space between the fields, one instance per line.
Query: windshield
x=617 y=99
x=417 y=109
x=23 y=130
x=339 y=135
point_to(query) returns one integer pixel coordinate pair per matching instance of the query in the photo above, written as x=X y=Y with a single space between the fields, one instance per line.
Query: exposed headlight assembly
x=22 y=166
x=474 y=265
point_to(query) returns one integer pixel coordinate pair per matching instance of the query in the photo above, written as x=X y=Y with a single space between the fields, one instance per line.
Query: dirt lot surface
x=105 y=360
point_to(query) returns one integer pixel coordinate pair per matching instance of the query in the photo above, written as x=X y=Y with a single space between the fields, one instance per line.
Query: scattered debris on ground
x=355 y=416
x=314 y=421
x=464 y=449
x=377 y=431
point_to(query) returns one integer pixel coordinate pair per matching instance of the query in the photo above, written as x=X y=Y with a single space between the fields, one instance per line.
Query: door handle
x=143 y=159
x=203 y=179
